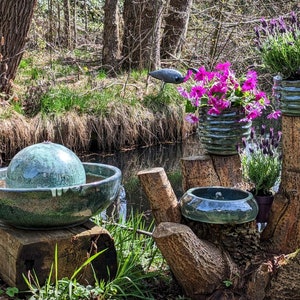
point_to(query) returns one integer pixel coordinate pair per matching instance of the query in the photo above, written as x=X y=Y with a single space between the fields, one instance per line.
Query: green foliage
x=10 y=291
x=139 y=263
x=278 y=41
x=166 y=97
x=261 y=161
x=62 y=99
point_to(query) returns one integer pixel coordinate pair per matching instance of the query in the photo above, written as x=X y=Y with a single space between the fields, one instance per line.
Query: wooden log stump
x=211 y=170
x=198 y=265
x=23 y=251
x=158 y=189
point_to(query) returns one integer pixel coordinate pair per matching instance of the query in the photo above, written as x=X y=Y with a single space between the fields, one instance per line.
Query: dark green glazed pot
x=220 y=134
x=218 y=205
x=287 y=96
x=59 y=207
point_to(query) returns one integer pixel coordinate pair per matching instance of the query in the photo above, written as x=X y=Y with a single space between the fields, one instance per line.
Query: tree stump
x=211 y=170
x=23 y=251
x=270 y=267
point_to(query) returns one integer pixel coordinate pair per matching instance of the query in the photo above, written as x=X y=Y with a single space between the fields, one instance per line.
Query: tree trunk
x=67 y=24
x=141 y=41
x=175 y=29
x=283 y=230
x=15 y=20
x=111 y=50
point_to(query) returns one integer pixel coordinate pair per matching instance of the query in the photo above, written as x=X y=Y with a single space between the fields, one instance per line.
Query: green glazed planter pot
x=220 y=134
x=287 y=96
x=218 y=205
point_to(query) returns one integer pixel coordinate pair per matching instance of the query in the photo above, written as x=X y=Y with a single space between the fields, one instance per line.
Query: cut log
x=283 y=229
x=198 y=265
x=23 y=251
x=163 y=201
x=211 y=170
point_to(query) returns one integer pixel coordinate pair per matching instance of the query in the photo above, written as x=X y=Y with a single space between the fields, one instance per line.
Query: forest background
x=76 y=72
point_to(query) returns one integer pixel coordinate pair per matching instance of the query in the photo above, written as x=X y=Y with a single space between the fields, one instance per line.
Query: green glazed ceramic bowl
x=218 y=205
x=59 y=207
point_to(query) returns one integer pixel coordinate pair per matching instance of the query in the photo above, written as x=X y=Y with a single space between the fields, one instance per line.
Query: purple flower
x=274 y=115
x=197 y=91
x=183 y=92
x=201 y=74
x=220 y=89
x=223 y=67
x=191 y=118
x=250 y=82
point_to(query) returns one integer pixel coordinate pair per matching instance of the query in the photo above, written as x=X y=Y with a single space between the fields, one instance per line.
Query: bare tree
x=67 y=23
x=15 y=20
x=175 y=29
x=141 y=42
x=111 y=50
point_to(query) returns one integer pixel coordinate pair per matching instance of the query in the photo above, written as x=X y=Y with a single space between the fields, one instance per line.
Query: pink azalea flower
x=201 y=75
x=183 y=92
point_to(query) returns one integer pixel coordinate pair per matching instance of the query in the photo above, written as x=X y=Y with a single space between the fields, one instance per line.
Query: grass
x=142 y=272
x=54 y=85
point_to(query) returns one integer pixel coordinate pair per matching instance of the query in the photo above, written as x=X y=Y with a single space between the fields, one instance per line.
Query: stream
x=167 y=156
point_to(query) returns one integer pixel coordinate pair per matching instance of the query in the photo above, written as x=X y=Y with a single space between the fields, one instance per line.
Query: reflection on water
x=131 y=162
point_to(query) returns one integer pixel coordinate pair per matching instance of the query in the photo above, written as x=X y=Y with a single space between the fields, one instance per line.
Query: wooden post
x=163 y=201
x=23 y=251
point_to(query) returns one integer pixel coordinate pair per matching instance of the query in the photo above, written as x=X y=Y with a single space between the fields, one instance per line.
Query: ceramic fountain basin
x=219 y=205
x=59 y=207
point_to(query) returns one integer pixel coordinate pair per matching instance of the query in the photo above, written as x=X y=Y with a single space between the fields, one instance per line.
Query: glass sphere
x=45 y=165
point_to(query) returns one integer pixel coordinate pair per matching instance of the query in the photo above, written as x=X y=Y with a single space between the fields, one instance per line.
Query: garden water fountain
x=47 y=197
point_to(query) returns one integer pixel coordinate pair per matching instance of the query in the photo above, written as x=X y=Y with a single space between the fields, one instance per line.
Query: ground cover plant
x=142 y=272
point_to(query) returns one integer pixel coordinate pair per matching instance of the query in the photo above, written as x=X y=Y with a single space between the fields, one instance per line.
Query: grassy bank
x=87 y=112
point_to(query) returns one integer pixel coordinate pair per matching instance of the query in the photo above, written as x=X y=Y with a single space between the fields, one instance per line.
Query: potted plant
x=224 y=106
x=278 y=43
x=261 y=167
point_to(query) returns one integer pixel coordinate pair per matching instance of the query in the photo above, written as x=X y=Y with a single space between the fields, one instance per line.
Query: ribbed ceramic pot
x=220 y=134
x=287 y=94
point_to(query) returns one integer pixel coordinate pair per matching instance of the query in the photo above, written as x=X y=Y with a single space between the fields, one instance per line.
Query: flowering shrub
x=221 y=89
x=261 y=160
x=278 y=42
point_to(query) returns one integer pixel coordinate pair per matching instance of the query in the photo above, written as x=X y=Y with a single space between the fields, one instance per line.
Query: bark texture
x=262 y=266
x=141 y=42
x=163 y=201
x=111 y=51
x=211 y=170
x=198 y=265
x=15 y=20
x=283 y=230
x=175 y=29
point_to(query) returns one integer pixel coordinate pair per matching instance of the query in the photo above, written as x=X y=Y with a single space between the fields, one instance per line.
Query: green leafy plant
x=139 y=265
x=278 y=42
x=261 y=160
